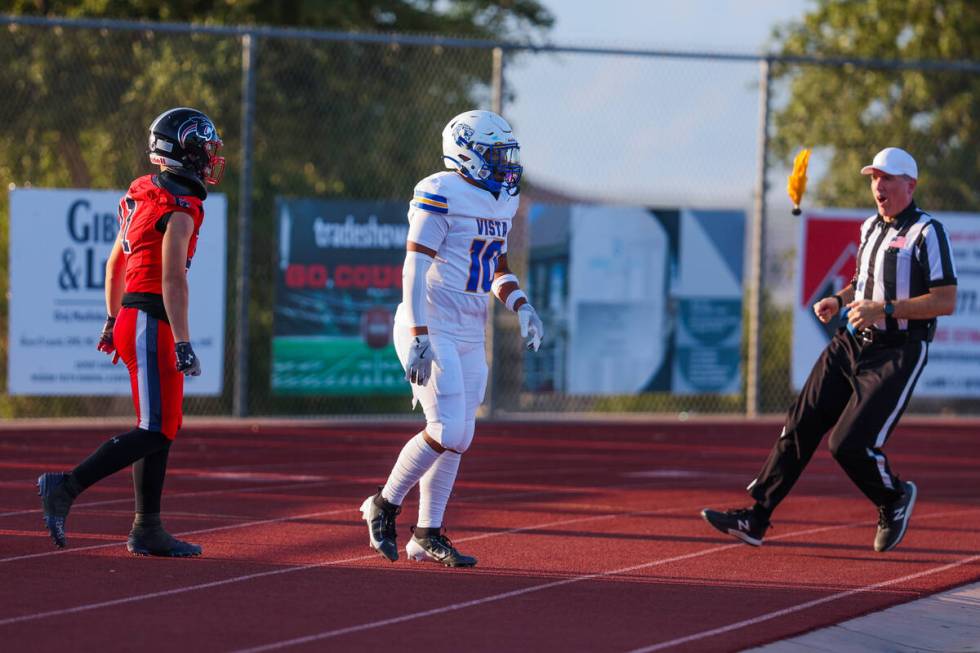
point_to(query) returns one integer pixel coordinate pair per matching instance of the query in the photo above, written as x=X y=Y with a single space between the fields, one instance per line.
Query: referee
x=904 y=279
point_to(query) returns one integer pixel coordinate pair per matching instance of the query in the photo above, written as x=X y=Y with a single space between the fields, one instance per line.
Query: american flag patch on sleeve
x=430 y=202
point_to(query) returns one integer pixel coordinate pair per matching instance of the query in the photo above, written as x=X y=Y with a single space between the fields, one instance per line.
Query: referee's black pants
x=857 y=392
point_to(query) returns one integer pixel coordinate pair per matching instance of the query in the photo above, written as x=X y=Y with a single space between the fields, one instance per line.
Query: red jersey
x=143 y=216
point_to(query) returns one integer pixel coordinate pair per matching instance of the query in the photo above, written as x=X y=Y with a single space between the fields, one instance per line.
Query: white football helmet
x=482 y=147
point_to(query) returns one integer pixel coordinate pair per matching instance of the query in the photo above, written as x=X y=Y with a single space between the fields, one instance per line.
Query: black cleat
x=148 y=538
x=56 y=501
x=893 y=520
x=744 y=524
x=379 y=513
x=158 y=542
x=432 y=544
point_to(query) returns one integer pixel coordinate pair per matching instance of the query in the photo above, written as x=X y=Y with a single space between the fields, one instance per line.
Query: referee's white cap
x=893 y=161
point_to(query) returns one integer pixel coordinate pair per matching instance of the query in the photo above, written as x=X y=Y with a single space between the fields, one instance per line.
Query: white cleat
x=436 y=547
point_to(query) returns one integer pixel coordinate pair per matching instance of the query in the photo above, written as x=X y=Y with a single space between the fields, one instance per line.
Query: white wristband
x=500 y=281
x=513 y=297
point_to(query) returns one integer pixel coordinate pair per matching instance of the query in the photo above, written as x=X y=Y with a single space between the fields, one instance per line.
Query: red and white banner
x=828 y=242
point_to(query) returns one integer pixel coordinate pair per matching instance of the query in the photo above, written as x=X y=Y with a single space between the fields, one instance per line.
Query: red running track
x=588 y=537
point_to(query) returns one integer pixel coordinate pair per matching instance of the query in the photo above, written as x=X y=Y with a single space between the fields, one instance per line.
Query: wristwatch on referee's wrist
x=889 y=308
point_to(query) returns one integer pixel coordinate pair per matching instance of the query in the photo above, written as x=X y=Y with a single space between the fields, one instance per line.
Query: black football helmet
x=185 y=140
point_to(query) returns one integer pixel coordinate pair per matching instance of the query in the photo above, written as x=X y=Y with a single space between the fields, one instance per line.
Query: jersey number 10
x=483 y=263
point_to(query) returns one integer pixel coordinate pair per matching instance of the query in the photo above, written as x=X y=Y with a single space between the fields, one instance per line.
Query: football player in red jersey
x=146 y=299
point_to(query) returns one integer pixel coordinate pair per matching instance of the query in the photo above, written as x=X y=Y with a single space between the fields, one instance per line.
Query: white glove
x=419 y=366
x=531 y=326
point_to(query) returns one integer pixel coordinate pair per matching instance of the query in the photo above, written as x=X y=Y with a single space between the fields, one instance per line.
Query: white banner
x=828 y=245
x=59 y=243
x=640 y=300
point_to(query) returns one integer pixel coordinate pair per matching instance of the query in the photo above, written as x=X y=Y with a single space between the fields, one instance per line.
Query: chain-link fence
x=358 y=117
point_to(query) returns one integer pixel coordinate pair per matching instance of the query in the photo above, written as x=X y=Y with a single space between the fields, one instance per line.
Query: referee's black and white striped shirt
x=903 y=259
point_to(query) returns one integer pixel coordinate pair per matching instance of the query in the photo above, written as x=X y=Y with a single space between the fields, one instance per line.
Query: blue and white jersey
x=468 y=228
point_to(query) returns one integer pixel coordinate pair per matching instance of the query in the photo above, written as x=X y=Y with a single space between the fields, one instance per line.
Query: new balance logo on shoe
x=893 y=520
x=743 y=524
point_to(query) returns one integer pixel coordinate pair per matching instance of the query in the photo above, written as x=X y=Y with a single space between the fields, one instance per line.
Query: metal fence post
x=758 y=252
x=497 y=106
x=249 y=52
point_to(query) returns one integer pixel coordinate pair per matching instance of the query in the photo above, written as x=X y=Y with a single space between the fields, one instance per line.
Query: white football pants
x=455 y=390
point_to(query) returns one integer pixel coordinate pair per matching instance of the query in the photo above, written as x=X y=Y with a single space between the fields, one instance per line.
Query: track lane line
x=212 y=529
x=335 y=479
x=474 y=499
x=418 y=615
x=174 y=495
x=325 y=563
x=567 y=581
x=802 y=606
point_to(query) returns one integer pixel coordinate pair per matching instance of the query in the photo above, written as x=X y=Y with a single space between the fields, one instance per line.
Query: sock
x=116 y=453
x=414 y=460
x=72 y=486
x=435 y=488
x=147 y=521
x=148 y=475
x=421 y=533
x=762 y=513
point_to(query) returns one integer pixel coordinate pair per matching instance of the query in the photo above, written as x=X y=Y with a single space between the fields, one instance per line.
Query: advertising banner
x=641 y=300
x=59 y=243
x=338 y=283
x=828 y=245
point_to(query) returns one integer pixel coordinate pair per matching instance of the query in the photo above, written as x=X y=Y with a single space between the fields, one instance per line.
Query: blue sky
x=648 y=131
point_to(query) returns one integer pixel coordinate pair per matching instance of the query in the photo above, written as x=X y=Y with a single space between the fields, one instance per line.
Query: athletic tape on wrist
x=501 y=280
x=513 y=297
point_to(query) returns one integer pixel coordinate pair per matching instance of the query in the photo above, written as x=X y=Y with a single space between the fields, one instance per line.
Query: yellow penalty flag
x=796 y=184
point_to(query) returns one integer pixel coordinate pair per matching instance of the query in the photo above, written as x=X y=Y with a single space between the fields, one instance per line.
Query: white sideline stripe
x=474 y=499
x=340 y=480
x=527 y=590
x=172 y=495
x=274 y=572
x=489 y=599
x=803 y=606
x=194 y=532
x=507 y=595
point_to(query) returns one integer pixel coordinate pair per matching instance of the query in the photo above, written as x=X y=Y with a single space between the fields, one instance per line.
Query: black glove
x=187 y=360
x=105 y=339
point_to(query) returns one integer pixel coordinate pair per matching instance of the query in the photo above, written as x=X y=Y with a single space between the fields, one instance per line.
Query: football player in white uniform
x=456 y=255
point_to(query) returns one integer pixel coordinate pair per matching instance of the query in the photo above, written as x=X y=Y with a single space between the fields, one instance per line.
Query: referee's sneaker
x=893 y=520
x=746 y=524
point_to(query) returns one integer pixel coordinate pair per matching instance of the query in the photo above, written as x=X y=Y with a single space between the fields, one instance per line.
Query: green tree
x=333 y=119
x=849 y=112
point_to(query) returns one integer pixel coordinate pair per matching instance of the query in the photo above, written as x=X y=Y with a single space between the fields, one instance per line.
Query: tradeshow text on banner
x=59 y=243
x=338 y=283
x=828 y=245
